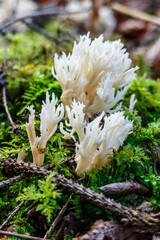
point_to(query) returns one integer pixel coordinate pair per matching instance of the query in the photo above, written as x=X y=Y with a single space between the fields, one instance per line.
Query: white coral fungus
x=98 y=138
x=50 y=117
x=132 y=103
x=97 y=73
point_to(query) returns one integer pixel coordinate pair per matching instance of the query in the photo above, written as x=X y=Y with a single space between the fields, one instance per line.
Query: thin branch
x=3 y=83
x=40 y=30
x=57 y=219
x=143 y=221
x=10 y=181
x=135 y=13
x=19 y=235
x=40 y=14
x=69 y=145
x=12 y=215
x=16 y=128
x=27 y=210
x=6 y=107
x=67 y=160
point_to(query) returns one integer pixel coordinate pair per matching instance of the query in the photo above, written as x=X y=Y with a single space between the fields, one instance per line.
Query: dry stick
x=6 y=107
x=12 y=215
x=135 y=13
x=30 y=208
x=20 y=235
x=67 y=160
x=142 y=221
x=57 y=219
x=14 y=126
x=40 y=14
x=40 y=30
x=12 y=180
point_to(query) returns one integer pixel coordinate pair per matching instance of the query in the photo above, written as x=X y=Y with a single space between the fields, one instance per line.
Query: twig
x=12 y=180
x=127 y=216
x=6 y=108
x=39 y=14
x=16 y=128
x=27 y=210
x=40 y=30
x=12 y=215
x=135 y=13
x=68 y=145
x=67 y=160
x=57 y=219
x=3 y=83
x=20 y=235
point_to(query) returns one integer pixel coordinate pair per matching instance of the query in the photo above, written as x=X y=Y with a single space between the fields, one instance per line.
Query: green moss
x=45 y=193
x=147 y=93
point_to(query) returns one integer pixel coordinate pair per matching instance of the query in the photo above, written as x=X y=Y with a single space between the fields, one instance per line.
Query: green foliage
x=57 y=153
x=38 y=87
x=85 y=211
x=148 y=98
x=143 y=66
x=12 y=145
x=44 y=193
x=129 y=163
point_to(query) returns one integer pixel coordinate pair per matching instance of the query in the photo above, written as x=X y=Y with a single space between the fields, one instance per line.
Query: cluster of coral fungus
x=94 y=80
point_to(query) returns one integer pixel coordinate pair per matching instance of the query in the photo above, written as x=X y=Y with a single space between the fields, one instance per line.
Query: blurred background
x=111 y=18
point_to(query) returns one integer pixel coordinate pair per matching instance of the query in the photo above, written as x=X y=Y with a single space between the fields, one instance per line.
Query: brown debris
x=153 y=55
x=124 y=188
x=70 y=224
x=145 y=207
x=156 y=236
x=132 y=28
x=112 y=230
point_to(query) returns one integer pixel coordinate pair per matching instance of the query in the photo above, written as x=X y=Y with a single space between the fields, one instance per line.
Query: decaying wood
x=12 y=215
x=70 y=224
x=112 y=230
x=145 y=207
x=10 y=181
x=123 y=189
x=142 y=221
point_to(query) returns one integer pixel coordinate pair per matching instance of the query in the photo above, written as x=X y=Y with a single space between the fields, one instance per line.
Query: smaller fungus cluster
x=50 y=117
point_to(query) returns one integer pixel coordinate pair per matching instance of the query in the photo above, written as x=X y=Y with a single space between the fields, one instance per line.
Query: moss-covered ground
x=30 y=57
